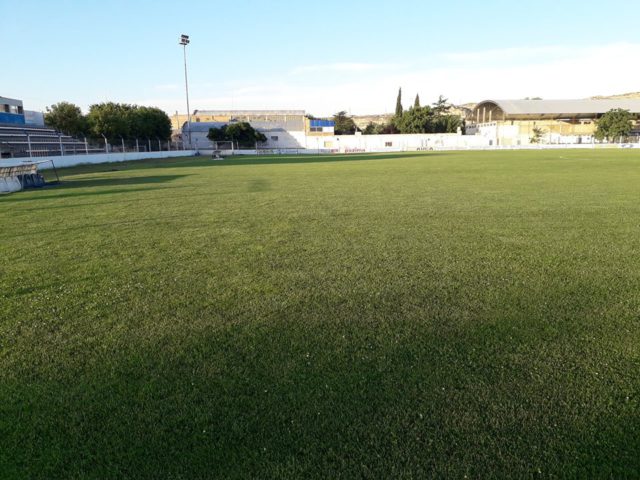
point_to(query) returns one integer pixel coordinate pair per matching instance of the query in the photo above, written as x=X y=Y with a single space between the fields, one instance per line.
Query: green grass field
x=440 y=315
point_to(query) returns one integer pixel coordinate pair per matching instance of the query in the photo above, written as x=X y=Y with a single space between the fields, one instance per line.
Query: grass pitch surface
x=374 y=316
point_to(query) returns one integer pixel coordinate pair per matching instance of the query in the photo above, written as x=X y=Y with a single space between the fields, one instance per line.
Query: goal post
x=14 y=178
x=224 y=145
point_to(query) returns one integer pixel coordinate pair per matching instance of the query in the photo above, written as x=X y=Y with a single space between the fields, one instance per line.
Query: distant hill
x=627 y=96
x=363 y=120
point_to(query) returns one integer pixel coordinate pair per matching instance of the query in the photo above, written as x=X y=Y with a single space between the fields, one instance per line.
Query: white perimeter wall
x=395 y=143
x=509 y=135
x=73 y=160
x=366 y=143
x=285 y=139
x=312 y=144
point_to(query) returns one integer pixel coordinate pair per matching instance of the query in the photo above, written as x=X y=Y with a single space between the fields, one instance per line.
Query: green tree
x=387 y=129
x=614 y=124
x=416 y=120
x=447 y=123
x=370 y=129
x=217 y=134
x=416 y=102
x=537 y=135
x=399 y=109
x=149 y=122
x=344 y=125
x=242 y=133
x=380 y=129
x=121 y=120
x=441 y=106
x=113 y=120
x=434 y=119
x=66 y=118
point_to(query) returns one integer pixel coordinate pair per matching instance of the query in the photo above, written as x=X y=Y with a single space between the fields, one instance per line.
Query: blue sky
x=318 y=56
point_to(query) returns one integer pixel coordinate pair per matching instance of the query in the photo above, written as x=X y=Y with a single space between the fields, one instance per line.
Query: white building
x=283 y=128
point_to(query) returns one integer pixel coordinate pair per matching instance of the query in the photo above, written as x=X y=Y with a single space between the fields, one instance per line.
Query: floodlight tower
x=184 y=41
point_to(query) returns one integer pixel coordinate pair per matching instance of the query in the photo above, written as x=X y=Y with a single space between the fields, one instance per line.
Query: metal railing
x=34 y=145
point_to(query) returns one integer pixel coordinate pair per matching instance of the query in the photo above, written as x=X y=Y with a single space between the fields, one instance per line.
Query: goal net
x=9 y=184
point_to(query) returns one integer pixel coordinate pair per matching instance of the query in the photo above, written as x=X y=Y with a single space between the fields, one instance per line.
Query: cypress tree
x=399 y=109
x=416 y=103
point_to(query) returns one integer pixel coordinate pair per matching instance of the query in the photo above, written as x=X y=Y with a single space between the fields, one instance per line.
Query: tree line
x=112 y=120
x=242 y=133
x=436 y=118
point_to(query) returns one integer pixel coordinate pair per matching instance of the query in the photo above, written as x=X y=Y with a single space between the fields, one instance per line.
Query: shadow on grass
x=303 y=401
x=206 y=161
x=106 y=181
x=81 y=194
x=306 y=159
x=66 y=188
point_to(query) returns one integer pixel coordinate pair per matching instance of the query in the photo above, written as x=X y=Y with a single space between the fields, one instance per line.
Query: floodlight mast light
x=184 y=41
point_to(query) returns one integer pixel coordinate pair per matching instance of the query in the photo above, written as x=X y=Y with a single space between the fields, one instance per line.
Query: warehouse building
x=284 y=129
x=516 y=122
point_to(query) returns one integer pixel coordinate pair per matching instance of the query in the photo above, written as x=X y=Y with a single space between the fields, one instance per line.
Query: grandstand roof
x=516 y=109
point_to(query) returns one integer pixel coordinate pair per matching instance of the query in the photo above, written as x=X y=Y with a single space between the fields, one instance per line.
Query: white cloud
x=548 y=72
x=502 y=55
x=168 y=87
x=345 y=67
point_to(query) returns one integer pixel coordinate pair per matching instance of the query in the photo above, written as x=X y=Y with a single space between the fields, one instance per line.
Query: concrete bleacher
x=17 y=141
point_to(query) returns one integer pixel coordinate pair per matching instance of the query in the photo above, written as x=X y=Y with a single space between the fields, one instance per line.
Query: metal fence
x=30 y=144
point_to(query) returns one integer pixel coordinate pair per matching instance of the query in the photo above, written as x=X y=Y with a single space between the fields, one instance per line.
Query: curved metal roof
x=560 y=108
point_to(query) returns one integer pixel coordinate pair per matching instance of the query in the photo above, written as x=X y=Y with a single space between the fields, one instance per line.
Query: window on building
x=274 y=138
x=388 y=144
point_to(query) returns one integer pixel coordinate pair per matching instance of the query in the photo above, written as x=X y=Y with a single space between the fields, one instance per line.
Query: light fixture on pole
x=184 y=41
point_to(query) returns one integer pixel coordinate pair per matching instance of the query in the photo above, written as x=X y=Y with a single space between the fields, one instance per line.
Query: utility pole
x=184 y=41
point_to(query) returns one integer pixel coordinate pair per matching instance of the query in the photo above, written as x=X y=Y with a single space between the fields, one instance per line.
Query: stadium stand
x=25 y=141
